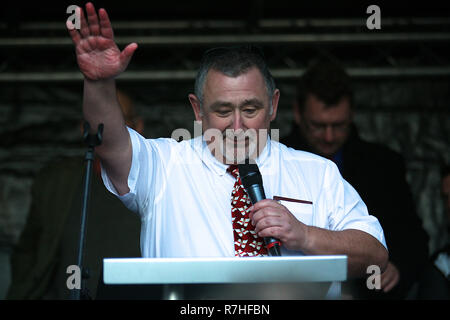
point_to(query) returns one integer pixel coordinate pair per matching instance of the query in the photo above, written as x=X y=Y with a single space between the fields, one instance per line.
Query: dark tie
x=246 y=242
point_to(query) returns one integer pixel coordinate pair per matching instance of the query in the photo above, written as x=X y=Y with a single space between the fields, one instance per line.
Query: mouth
x=236 y=146
x=328 y=146
x=236 y=139
x=239 y=137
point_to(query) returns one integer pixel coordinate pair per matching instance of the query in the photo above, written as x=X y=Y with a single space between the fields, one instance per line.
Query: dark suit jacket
x=49 y=241
x=434 y=285
x=379 y=176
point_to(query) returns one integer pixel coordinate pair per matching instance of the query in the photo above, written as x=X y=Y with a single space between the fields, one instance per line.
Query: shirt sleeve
x=142 y=178
x=345 y=208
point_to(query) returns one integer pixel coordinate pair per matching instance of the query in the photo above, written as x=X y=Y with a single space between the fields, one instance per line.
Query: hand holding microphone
x=252 y=180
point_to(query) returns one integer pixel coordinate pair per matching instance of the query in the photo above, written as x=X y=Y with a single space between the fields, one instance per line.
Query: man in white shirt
x=182 y=190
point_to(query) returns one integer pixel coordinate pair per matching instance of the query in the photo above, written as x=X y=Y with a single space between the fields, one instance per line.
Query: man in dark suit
x=323 y=124
x=435 y=281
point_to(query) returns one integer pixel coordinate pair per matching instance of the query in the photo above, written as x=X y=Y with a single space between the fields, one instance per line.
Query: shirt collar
x=200 y=146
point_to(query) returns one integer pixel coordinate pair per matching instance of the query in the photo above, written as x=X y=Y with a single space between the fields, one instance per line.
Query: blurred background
x=401 y=81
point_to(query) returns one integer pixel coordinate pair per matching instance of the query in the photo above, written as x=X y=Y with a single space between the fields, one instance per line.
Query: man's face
x=238 y=108
x=445 y=188
x=325 y=128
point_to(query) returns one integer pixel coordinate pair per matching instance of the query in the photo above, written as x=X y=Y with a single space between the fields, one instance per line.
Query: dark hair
x=326 y=80
x=233 y=61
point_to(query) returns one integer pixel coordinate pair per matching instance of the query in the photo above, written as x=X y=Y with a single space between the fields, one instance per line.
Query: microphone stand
x=92 y=140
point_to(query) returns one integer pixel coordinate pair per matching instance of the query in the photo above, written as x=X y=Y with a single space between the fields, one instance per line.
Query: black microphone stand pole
x=92 y=140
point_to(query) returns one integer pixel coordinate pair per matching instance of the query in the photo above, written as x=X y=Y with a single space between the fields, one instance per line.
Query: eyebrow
x=254 y=101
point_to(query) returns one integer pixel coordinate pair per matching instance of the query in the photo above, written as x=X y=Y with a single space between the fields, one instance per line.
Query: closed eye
x=249 y=110
x=223 y=112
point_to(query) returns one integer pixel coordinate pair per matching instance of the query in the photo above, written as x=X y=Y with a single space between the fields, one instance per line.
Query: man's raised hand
x=98 y=56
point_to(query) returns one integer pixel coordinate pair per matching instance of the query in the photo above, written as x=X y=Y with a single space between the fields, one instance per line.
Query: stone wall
x=40 y=122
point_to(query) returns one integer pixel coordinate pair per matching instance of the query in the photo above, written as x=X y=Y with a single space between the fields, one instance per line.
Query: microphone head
x=250 y=174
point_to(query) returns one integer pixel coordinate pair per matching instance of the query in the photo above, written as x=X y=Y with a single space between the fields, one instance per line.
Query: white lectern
x=308 y=277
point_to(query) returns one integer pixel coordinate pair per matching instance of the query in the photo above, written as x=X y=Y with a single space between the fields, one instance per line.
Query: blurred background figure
x=49 y=241
x=323 y=124
x=400 y=84
x=435 y=283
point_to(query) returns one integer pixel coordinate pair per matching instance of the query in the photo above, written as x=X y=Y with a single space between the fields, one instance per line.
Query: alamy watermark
x=230 y=146
x=74 y=18
x=74 y=278
x=374 y=20
x=374 y=280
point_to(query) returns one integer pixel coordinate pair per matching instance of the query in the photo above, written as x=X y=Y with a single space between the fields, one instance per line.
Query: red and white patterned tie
x=246 y=242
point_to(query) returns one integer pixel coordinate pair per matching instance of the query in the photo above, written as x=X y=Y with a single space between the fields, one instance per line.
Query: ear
x=196 y=107
x=296 y=111
x=275 y=99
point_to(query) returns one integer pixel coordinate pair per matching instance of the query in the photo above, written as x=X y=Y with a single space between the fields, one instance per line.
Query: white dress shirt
x=182 y=194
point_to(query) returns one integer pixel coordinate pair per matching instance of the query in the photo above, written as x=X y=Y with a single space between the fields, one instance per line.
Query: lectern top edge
x=219 y=259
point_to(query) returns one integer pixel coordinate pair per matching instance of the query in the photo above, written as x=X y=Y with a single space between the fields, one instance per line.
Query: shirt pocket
x=302 y=210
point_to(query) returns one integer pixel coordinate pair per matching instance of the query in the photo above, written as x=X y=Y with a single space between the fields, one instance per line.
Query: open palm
x=97 y=54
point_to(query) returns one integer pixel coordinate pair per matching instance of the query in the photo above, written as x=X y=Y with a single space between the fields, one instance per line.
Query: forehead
x=248 y=85
x=317 y=110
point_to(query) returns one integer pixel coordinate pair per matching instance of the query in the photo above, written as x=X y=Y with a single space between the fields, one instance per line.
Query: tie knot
x=233 y=170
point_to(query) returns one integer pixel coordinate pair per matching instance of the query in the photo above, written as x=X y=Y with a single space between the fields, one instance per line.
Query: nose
x=329 y=134
x=237 y=121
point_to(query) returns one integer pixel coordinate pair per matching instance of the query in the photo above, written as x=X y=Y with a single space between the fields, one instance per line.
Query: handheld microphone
x=252 y=180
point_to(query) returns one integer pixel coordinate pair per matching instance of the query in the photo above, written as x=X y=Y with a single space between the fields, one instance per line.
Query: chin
x=327 y=153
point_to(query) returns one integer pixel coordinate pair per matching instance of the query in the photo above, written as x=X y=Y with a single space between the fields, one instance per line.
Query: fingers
x=385 y=278
x=388 y=282
x=266 y=214
x=272 y=219
x=105 y=24
x=389 y=287
x=272 y=232
x=266 y=203
x=127 y=53
x=392 y=283
x=73 y=32
x=94 y=26
x=84 y=27
x=268 y=221
x=389 y=278
x=129 y=50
